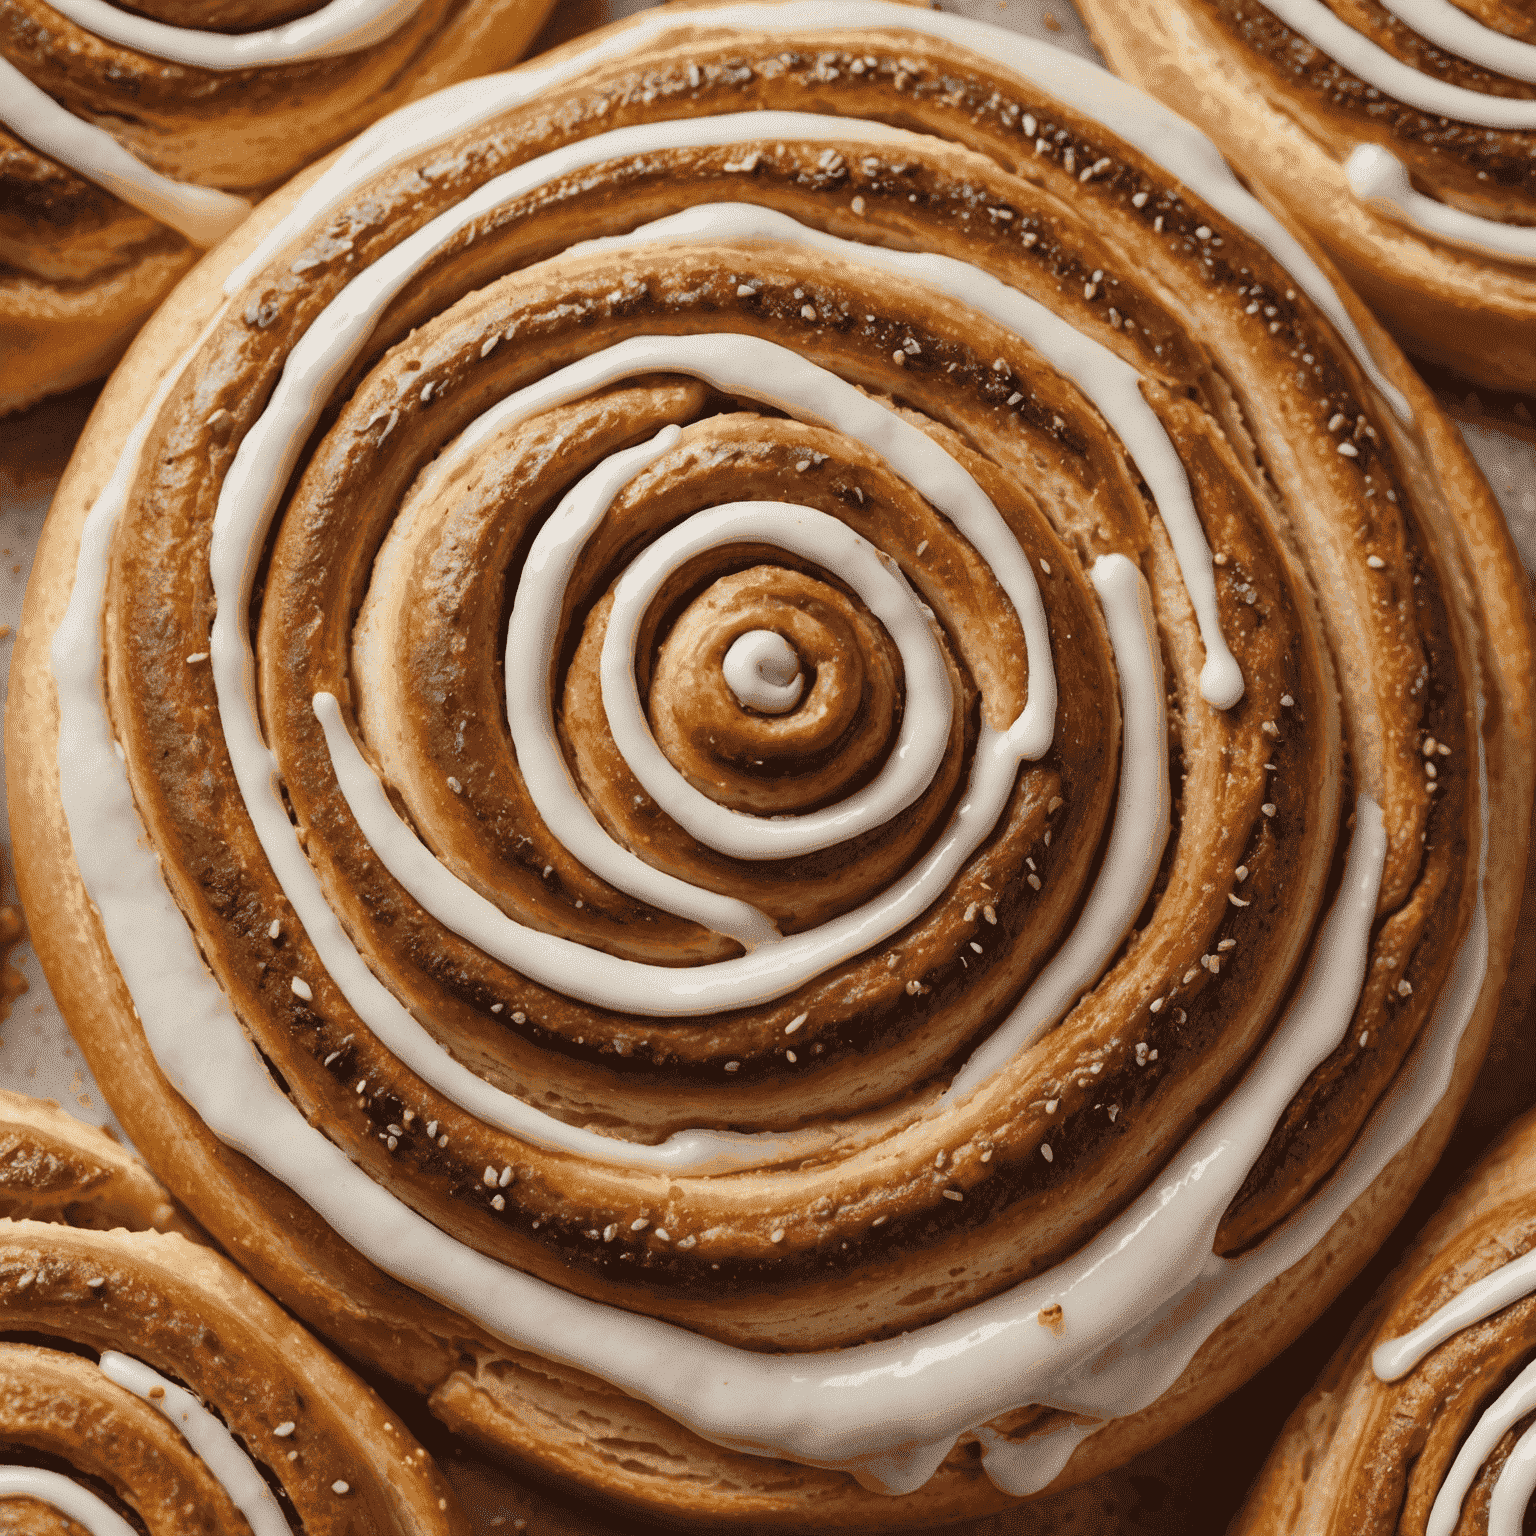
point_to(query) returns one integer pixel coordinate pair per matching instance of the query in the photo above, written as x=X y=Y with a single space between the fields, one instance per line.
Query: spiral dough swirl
x=789 y=736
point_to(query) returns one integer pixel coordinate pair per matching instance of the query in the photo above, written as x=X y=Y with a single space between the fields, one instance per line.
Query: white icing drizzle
x=925 y=725
x=1374 y=65
x=1514 y=1486
x=1516 y=1480
x=742 y=364
x=1511 y=1282
x=532 y=636
x=218 y=1450
x=342 y=26
x=1378 y=177
x=762 y=669
x=1160 y=134
x=1112 y=384
x=1395 y=1358
x=215 y=1447
x=70 y=1498
x=203 y=214
x=1139 y=1300
x=1136 y=837
x=1453 y=29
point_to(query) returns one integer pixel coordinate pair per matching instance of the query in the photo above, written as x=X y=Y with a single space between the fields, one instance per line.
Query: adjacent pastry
x=779 y=789
x=131 y=140
x=1422 y=1421
x=147 y=1385
x=1399 y=132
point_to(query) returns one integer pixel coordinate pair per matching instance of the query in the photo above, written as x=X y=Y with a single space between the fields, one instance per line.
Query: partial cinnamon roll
x=1422 y=1420
x=1400 y=133
x=132 y=140
x=147 y=1385
x=767 y=787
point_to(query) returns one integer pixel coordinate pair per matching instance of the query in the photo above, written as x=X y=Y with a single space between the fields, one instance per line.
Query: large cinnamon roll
x=708 y=737
x=1422 y=1422
x=1401 y=133
x=146 y=1385
x=131 y=140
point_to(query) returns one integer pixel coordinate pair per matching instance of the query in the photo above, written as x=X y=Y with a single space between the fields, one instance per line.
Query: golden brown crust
x=80 y=271
x=54 y=1169
x=1468 y=586
x=1224 y=64
x=149 y=1288
x=1360 y=1454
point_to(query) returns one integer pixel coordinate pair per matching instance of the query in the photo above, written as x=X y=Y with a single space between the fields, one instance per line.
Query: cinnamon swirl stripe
x=147 y=1385
x=1422 y=1422
x=131 y=140
x=1399 y=132
x=788 y=773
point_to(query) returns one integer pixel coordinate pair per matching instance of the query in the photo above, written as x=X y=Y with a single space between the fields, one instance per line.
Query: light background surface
x=1186 y=1486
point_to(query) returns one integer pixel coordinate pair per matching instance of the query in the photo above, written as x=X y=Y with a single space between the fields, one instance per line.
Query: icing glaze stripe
x=215 y=1446
x=70 y=1498
x=1137 y=835
x=1378 y=177
x=925 y=722
x=1516 y=1481
x=203 y=214
x=1458 y=32
x=1164 y=137
x=1373 y=64
x=342 y=26
x=1112 y=384
x=1511 y=1282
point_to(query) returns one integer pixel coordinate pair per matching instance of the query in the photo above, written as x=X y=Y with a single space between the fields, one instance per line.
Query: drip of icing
x=1451 y=28
x=1378 y=177
x=762 y=670
x=203 y=214
x=1511 y=1282
x=73 y=1500
x=1111 y=383
x=1374 y=65
x=342 y=26
x=925 y=724
x=1164 y=137
x=215 y=1446
x=1517 y=1479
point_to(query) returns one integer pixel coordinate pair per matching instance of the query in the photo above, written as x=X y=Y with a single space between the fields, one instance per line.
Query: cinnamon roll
x=131 y=140
x=1400 y=133
x=147 y=1385
x=1422 y=1420
x=729 y=755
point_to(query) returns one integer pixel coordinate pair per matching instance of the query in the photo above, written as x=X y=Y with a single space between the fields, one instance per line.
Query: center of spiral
x=763 y=670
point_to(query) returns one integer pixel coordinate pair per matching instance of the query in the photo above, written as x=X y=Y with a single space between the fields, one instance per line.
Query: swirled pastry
x=147 y=1385
x=130 y=140
x=1422 y=1421
x=800 y=807
x=1400 y=133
